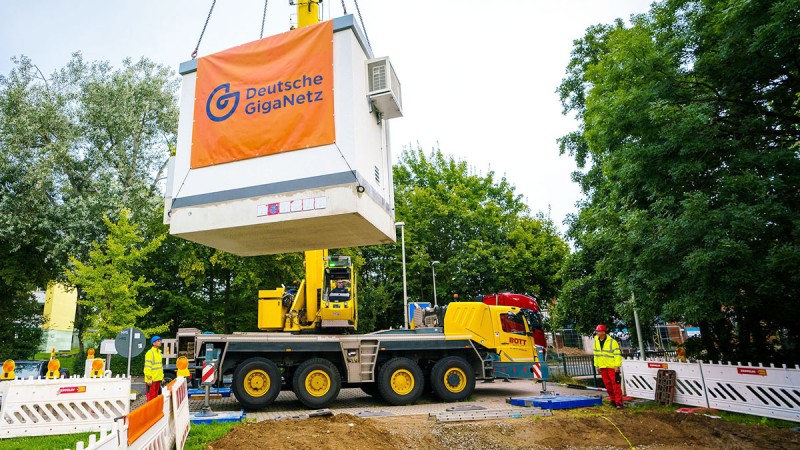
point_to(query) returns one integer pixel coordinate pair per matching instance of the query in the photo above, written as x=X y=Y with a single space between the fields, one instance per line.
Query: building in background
x=59 y=317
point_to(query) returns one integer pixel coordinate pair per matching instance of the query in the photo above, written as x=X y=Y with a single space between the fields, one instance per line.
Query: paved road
x=491 y=396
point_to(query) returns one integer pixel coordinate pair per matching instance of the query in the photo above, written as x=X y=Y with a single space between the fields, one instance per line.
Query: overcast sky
x=478 y=77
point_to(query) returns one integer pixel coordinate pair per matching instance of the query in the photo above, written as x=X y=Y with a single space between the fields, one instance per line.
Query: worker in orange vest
x=608 y=360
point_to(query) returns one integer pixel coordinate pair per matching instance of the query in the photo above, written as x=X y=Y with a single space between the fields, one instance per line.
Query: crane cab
x=326 y=298
x=338 y=303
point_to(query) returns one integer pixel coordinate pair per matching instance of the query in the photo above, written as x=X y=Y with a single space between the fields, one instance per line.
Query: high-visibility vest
x=153 y=367
x=609 y=356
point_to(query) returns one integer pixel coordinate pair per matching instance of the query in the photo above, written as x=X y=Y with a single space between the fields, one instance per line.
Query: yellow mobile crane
x=326 y=298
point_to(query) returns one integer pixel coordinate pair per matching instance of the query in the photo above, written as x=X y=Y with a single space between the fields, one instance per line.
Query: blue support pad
x=557 y=401
x=214 y=393
x=222 y=416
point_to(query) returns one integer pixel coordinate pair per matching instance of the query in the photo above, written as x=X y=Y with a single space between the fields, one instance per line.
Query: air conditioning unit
x=383 y=92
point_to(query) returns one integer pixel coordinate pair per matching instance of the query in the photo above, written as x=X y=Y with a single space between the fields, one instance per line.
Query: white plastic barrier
x=640 y=380
x=762 y=391
x=162 y=424
x=757 y=390
x=39 y=407
x=108 y=440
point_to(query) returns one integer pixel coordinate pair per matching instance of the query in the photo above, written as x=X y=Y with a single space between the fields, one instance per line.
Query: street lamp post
x=402 y=226
x=638 y=328
x=433 y=269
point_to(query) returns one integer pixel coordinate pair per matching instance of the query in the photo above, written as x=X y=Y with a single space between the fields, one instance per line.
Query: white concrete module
x=329 y=196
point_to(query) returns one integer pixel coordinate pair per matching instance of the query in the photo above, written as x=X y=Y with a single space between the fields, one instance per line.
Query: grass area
x=58 y=442
x=746 y=419
x=200 y=435
x=565 y=379
x=653 y=407
x=66 y=361
x=59 y=355
x=743 y=419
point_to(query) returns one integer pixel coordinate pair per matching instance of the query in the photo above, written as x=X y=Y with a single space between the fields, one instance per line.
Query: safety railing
x=571 y=366
x=757 y=390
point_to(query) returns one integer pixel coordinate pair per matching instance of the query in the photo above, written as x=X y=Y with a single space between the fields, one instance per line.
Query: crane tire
x=256 y=383
x=316 y=383
x=452 y=379
x=401 y=381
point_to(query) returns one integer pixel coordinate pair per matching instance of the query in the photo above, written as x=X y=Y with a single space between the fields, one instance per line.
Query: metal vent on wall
x=377 y=175
x=378 y=76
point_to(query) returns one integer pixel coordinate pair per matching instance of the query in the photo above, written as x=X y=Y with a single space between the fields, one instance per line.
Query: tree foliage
x=107 y=280
x=689 y=139
x=475 y=225
x=74 y=146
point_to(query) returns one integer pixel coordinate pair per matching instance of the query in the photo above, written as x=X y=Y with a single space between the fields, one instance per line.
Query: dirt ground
x=589 y=428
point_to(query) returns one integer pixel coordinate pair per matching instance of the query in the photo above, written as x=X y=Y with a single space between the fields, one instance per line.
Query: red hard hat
x=600 y=327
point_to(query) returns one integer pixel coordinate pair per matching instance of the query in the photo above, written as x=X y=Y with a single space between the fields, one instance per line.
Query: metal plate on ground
x=466 y=408
x=557 y=401
x=221 y=416
x=373 y=413
x=462 y=416
x=302 y=416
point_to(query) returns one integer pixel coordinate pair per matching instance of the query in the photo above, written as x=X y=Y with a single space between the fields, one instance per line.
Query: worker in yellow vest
x=153 y=369
x=608 y=360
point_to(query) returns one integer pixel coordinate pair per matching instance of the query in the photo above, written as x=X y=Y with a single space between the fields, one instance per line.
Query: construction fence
x=41 y=407
x=160 y=424
x=757 y=390
x=561 y=365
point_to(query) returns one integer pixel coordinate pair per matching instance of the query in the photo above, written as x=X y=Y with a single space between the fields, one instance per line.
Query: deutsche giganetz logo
x=222 y=103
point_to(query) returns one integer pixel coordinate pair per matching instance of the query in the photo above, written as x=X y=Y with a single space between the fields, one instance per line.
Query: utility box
x=384 y=88
x=283 y=146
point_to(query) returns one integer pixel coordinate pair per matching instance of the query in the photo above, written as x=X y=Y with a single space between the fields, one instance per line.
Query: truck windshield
x=533 y=318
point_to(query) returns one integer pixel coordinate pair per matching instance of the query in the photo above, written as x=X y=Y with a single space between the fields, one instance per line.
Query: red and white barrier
x=207 y=376
x=757 y=390
x=180 y=411
x=761 y=391
x=640 y=381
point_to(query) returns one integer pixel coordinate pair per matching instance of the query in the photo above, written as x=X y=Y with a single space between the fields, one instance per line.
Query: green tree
x=475 y=225
x=688 y=140
x=21 y=332
x=73 y=146
x=108 y=282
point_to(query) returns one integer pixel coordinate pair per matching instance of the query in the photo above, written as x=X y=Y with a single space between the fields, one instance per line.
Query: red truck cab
x=523 y=302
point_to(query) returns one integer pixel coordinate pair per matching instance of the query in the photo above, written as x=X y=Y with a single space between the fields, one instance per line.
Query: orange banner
x=269 y=96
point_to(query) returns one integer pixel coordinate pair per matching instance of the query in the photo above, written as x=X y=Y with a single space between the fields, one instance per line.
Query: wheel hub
x=455 y=380
x=318 y=383
x=402 y=382
x=256 y=383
